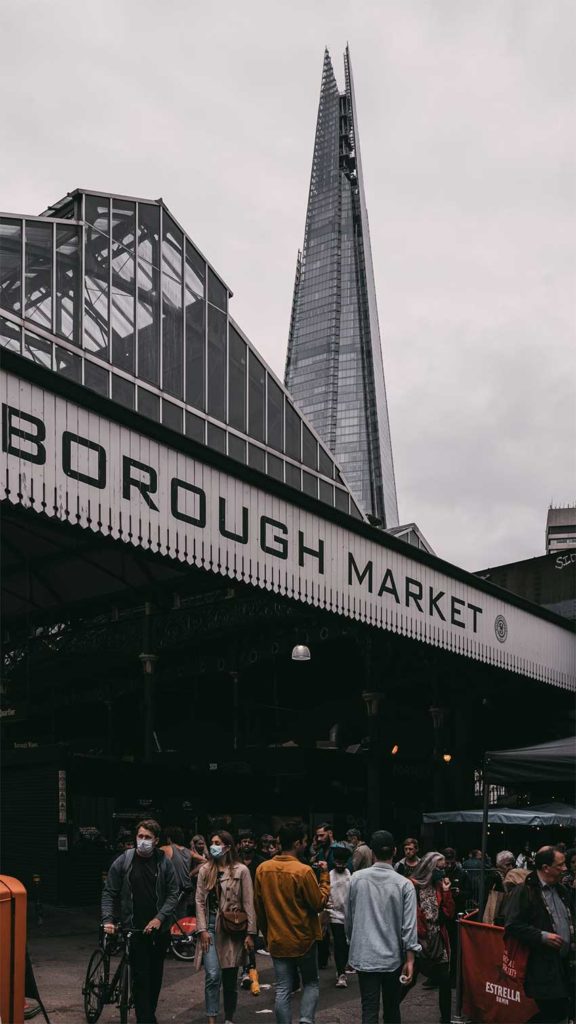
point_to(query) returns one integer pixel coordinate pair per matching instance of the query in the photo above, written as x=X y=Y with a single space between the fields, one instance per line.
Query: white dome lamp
x=300 y=653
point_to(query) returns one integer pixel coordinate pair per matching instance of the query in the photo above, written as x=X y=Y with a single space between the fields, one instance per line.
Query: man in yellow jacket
x=288 y=899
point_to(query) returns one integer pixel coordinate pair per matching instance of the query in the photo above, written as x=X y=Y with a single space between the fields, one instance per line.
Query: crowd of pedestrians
x=383 y=912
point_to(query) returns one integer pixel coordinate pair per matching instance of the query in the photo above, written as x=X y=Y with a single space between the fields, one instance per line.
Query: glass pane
x=309 y=448
x=275 y=467
x=122 y=311
x=149 y=293
x=216 y=438
x=172 y=415
x=97 y=275
x=325 y=463
x=38 y=350
x=194 y=272
x=39 y=273
x=68 y=364
x=96 y=378
x=68 y=282
x=11 y=265
x=123 y=391
x=256 y=406
x=217 y=363
x=148 y=404
x=172 y=311
x=256 y=457
x=237 y=354
x=275 y=415
x=217 y=293
x=310 y=484
x=195 y=427
x=293 y=476
x=10 y=335
x=341 y=500
x=293 y=422
x=236 y=448
x=326 y=492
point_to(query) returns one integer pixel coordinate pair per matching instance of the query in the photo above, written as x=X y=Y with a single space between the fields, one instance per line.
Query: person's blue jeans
x=214 y=977
x=285 y=969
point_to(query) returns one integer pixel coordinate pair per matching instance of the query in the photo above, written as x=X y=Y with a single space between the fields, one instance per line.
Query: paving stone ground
x=60 y=948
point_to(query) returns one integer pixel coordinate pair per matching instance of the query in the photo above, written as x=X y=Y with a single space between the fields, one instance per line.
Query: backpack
x=181 y=862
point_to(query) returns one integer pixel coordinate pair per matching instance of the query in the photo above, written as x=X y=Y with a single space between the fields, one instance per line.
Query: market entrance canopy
x=541 y=815
x=73 y=456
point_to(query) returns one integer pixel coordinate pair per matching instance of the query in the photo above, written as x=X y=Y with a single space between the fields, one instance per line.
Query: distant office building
x=560 y=529
x=549 y=581
x=334 y=368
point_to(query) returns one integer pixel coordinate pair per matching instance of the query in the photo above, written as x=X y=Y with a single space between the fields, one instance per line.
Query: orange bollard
x=13 y=945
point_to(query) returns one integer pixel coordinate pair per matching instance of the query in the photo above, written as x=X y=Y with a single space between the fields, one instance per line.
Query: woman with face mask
x=225 y=921
x=435 y=906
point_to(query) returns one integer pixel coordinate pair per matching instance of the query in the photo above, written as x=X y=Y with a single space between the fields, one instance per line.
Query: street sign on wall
x=76 y=465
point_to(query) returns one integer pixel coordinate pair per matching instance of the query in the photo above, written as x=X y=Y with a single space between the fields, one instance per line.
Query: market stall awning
x=539 y=815
x=546 y=762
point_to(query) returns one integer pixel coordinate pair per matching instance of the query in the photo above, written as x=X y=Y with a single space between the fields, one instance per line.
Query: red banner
x=489 y=994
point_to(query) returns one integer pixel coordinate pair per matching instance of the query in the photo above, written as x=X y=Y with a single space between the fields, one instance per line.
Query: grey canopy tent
x=541 y=815
x=554 y=762
x=546 y=762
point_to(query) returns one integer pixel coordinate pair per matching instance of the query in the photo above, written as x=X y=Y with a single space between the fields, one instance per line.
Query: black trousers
x=376 y=984
x=147 y=954
x=229 y=991
x=340 y=947
x=323 y=945
x=440 y=974
x=550 y=1011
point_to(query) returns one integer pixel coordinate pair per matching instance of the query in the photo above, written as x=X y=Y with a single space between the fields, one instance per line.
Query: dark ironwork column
x=148 y=661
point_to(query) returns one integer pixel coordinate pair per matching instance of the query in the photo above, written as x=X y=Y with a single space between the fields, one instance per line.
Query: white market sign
x=78 y=466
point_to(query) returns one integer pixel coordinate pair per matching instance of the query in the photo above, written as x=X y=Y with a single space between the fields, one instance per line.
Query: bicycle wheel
x=125 y=989
x=183 y=946
x=95 y=985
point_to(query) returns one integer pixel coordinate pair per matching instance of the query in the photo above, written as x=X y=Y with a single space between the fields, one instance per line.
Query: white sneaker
x=341 y=981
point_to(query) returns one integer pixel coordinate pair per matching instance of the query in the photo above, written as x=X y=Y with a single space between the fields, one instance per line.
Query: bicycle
x=183 y=938
x=98 y=989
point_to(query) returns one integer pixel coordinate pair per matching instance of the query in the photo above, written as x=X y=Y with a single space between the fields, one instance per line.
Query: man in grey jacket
x=381 y=930
x=141 y=893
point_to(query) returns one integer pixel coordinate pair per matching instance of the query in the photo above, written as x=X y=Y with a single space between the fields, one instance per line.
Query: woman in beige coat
x=224 y=886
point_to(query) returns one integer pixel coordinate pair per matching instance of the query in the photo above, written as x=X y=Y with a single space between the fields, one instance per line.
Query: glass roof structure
x=110 y=292
x=334 y=366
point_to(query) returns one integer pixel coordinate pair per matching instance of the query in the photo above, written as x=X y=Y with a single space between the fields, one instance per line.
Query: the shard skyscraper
x=334 y=365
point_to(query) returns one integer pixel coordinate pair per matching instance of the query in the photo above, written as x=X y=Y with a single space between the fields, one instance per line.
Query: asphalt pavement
x=60 y=948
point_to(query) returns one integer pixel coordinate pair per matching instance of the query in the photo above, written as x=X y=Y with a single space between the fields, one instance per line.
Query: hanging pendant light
x=300 y=653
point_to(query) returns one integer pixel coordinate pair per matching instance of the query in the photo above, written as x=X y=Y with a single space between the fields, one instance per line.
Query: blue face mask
x=438 y=874
x=216 y=850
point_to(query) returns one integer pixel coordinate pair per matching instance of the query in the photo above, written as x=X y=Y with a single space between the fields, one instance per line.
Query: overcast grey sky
x=466 y=123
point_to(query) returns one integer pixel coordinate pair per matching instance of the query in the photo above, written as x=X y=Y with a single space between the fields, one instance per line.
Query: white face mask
x=145 y=847
x=216 y=850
